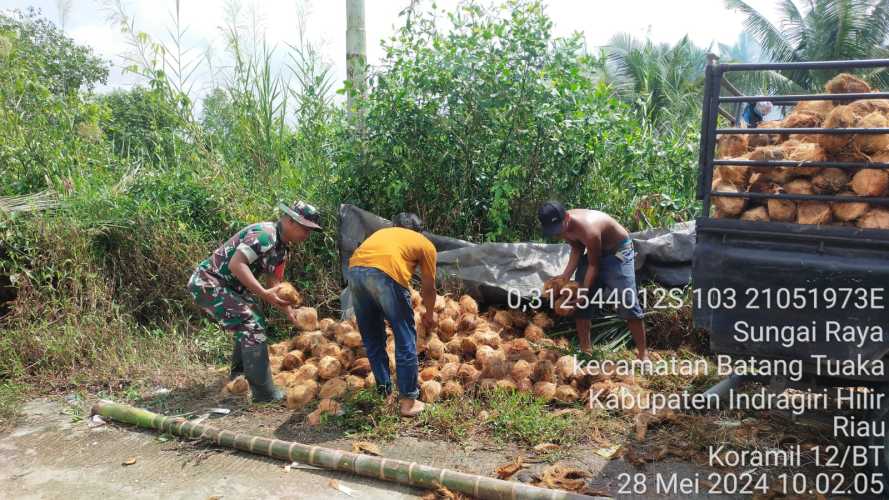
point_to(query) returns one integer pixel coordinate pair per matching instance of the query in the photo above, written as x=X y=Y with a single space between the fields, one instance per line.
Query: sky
x=707 y=22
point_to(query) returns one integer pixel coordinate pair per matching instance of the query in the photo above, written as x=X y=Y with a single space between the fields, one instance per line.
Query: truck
x=778 y=294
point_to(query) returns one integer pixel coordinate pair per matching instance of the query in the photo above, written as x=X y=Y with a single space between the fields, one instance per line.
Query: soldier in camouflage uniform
x=221 y=282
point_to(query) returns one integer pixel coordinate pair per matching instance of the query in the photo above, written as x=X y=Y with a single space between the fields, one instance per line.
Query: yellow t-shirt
x=396 y=251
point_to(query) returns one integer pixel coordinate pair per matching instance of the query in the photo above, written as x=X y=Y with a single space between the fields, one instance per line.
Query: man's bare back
x=584 y=225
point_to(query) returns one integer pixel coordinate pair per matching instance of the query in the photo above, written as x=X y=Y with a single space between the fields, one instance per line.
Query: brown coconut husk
x=737 y=175
x=455 y=345
x=301 y=394
x=524 y=384
x=872 y=143
x=544 y=371
x=355 y=382
x=286 y=292
x=333 y=388
x=520 y=370
x=416 y=299
x=430 y=391
x=875 y=218
x=307 y=319
x=561 y=307
x=328 y=406
x=870 y=182
x=447 y=327
x=839 y=117
x=329 y=367
x=292 y=360
x=805 y=152
x=731 y=145
x=307 y=341
x=451 y=390
x=467 y=323
x=813 y=212
x=542 y=320
x=781 y=210
x=566 y=394
x=799 y=186
x=468 y=304
x=324 y=324
x=488 y=338
x=819 y=108
x=279 y=349
x=548 y=355
x=758 y=214
x=360 y=367
x=864 y=107
x=326 y=349
x=468 y=374
x=237 y=387
x=565 y=368
x=449 y=371
x=760 y=183
x=306 y=372
x=429 y=373
x=449 y=358
x=440 y=304
x=727 y=206
x=533 y=333
x=545 y=390
x=503 y=319
x=506 y=385
x=519 y=319
x=844 y=83
x=848 y=211
x=435 y=347
x=469 y=346
x=830 y=181
x=554 y=284
x=370 y=380
x=487 y=384
x=498 y=367
x=803 y=119
x=352 y=339
x=758 y=140
x=521 y=349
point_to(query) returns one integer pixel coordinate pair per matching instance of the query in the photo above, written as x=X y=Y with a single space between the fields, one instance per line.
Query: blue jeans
x=376 y=297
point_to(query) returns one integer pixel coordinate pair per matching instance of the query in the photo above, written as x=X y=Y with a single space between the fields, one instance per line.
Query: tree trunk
x=356 y=52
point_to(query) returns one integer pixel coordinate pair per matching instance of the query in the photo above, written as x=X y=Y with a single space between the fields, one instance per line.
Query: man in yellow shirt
x=380 y=272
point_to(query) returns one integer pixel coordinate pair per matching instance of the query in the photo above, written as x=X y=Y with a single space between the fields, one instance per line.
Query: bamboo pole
x=386 y=469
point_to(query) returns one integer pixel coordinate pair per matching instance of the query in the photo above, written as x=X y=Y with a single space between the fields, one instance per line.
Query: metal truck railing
x=715 y=81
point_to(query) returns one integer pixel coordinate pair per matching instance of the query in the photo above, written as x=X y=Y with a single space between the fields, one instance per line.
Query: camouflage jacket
x=262 y=245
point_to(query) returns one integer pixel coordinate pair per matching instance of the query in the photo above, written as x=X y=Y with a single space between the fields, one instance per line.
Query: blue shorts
x=616 y=280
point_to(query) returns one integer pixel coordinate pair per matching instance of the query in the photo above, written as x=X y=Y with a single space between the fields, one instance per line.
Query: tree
x=667 y=79
x=822 y=30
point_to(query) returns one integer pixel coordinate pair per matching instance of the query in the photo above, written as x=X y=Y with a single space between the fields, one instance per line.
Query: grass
x=519 y=417
x=12 y=394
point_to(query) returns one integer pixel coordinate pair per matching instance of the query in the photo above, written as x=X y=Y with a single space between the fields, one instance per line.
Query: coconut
x=468 y=304
x=758 y=214
x=497 y=367
x=819 y=108
x=830 y=180
x=447 y=327
x=468 y=374
x=875 y=218
x=435 y=347
x=360 y=367
x=314 y=418
x=329 y=367
x=732 y=174
x=339 y=330
x=484 y=354
x=286 y=292
x=799 y=186
x=781 y=210
x=519 y=319
x=238 y=386
x=487 y=384
x=543 y=371
x=325 y=323
x=520 y=370
x=844 y=83
x=467 y=322
x=503 y=319
x=455 y=345
x=439 y=303
x=521 y=349
x=326 y=349
x=813 y=212
x=370 y=380
x=469 y=346
x=301 y=394
x=429 y=373
x=767 y=153
x=731 y=146
x=533 y=333
x=506 y=385
x=430 y=391
x=307 y=372
x=542 y=321
x=726 y=205
x=554 y=284
x=307 y=319
x=524 y=385
x=416 y=299
x=279 y=349
x=333 y=388
x=805 y=152
x=355 y=382
x=307 y=341
x=566 y=394
x=347 y=357
x=488 y=338
x=803 y=119
x=839 y=117
x=329 y=407
x=757 y=140
x=545 y=390
x=870 y=182
x=848 y=211
x=565 y=368
x=451 y=389
x=872 y=143
x=561 y=307
x=292 y=359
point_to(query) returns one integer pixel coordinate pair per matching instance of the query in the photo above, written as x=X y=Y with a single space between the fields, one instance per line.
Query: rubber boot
x=237 y=368
x=259 y=374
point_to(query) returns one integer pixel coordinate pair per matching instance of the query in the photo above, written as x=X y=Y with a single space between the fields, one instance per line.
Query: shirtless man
x=603 y=256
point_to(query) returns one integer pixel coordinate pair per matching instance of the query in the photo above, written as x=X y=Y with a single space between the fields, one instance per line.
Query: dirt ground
x=53 y=452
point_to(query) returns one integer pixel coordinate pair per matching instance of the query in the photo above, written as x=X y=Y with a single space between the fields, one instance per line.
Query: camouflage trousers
x=235 y=312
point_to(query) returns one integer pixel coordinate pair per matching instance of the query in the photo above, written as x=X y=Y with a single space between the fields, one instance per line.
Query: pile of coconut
x=466 y=350
x=803 y=180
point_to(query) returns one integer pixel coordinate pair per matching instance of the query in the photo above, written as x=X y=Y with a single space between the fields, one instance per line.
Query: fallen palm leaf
x=367 y=448
x=563 y=477
x=442 y=493
x=506 y=471
x=608 y=453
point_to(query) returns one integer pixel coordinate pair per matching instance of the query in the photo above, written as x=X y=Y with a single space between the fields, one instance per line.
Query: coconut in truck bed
x=791 y=264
